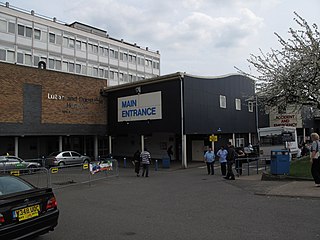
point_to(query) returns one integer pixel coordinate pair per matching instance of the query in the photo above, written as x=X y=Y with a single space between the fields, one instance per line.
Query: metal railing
x=256 y=164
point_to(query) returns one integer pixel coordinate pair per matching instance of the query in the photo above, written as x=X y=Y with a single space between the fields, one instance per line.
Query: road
x=181 y=204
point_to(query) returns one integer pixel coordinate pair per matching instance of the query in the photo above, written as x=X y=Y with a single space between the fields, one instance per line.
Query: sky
x=199 y=37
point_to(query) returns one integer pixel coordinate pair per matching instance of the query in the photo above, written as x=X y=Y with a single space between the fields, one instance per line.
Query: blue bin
x=165 y=162
x=280 y=162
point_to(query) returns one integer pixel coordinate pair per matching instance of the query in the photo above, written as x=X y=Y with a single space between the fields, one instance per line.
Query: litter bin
x=280 y=162
x=165 y=162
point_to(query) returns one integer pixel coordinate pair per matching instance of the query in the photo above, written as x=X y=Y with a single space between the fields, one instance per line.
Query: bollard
x=124 y=162
x=156 y=166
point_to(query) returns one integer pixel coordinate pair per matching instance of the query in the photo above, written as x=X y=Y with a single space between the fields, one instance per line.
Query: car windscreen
x=10 y=184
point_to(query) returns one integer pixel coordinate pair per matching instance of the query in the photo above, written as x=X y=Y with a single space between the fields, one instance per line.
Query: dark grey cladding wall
x=170 y=122
x=203 y=114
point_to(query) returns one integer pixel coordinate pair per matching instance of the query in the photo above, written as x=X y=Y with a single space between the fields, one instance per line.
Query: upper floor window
x=3 y=26
x=238 y=104
x=37 y=34
x=250 y=106
x=223 y=101
x=24 y=31
x=52 y=38
x=12 y=27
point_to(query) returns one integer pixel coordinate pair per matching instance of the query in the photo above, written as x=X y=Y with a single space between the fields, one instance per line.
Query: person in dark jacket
x=230 y=160
x=137 y=160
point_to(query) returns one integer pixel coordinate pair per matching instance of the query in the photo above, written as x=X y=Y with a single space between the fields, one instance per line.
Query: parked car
x=13 y=162
x=25 y=210
x=66 y=158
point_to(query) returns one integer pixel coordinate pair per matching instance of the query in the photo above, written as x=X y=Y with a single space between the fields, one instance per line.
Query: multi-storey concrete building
x=29 y=39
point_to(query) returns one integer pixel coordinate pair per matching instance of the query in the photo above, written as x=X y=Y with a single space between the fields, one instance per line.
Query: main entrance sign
x=139 y=107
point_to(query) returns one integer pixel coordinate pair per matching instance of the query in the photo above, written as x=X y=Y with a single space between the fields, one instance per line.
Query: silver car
x=66 y=158
x=8 y=162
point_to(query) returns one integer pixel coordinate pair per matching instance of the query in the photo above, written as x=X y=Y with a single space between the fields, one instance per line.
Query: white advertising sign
x=140 y=107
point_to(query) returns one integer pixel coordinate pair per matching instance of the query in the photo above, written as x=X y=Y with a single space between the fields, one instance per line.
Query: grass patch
x=301 y=168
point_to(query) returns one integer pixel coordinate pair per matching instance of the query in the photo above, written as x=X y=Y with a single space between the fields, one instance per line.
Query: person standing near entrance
x=231 y=156
x=145 y=160
x=170 y=152
x=222 y=154
x=315 y=159
x=209 y=160
x=136 y=161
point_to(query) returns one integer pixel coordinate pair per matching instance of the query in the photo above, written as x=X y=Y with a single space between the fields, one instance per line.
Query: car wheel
x=31 y=169
x=61 y=164
x=86 y=161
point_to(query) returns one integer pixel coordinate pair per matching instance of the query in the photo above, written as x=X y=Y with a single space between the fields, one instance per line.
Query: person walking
x=314 y=158
x=170 y=152
x=136 y=161
x=231 y=156
x=209 y=158
x=222 y=154
x=146 y=161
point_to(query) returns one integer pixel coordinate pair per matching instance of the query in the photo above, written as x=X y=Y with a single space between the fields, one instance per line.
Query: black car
x=25 y=210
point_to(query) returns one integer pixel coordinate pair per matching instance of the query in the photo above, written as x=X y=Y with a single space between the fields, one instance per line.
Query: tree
x=290 y=75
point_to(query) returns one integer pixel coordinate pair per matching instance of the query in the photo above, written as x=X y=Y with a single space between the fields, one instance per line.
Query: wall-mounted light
x=138 y=90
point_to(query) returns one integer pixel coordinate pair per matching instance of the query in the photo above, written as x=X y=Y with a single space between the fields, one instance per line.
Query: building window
x=36 y=60
x=58 y=65
x=3 y=54
x=12 y=27
x=95 y=72
x=78 y=45
x=64 y=66
x=3 y=26
x=20 y=58
x=250 y=106
x=78 y=68
x=37 y=34
x=223 y=101
x=20 y=30
x=10 y=56
x=51 y=63
x=29 y=32
x=101 y=72
x=238 y=104
x=65 y=41
x=71 y=43
x=52 y=38
x=28 y=59
x=84 y=46
x=239 y=142
x=71 y=67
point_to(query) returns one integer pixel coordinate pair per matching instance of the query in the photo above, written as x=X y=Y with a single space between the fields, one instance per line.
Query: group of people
x=142 y=158
x=227 y=157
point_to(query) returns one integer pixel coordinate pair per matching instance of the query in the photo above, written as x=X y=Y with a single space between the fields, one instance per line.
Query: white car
x=8 y=162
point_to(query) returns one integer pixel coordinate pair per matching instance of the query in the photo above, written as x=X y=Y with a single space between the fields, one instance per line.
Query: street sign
x=213 y=138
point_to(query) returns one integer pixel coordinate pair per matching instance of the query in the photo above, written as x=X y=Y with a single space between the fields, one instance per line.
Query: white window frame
x=238 y=104
x=223 y=101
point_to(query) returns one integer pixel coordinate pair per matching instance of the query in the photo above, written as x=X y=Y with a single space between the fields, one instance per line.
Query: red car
x=25 y=210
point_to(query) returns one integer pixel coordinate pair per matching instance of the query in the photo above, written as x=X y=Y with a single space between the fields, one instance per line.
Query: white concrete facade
x=28 y=38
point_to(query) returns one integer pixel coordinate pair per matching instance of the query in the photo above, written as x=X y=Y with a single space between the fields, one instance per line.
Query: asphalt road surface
x=181 y=204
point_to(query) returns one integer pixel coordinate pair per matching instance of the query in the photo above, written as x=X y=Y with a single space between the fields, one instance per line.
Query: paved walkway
x=253 y=182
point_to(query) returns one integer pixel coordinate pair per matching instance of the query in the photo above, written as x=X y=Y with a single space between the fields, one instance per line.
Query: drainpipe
x=183 y=136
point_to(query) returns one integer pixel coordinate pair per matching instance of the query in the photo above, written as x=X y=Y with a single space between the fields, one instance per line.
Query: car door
x=15 y=163
x=66 y=158
x=76 y=158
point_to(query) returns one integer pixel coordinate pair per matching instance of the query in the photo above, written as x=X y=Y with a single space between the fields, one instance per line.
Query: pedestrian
x=146 y=161
x=136 y=161
x=170 y=152
x=209 y=158
x=231 y=156
x=239 y=161
x=222 y=154
x=314 y=158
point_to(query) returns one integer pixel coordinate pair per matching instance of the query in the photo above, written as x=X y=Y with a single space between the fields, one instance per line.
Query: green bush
x=301 y=168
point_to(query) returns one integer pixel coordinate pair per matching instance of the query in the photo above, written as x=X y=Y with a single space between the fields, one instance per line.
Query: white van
x=278 y=138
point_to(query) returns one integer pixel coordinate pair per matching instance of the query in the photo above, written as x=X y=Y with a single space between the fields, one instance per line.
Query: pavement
x=280 y=186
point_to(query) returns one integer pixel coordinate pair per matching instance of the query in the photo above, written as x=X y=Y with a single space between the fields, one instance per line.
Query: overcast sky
x=199 y=37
